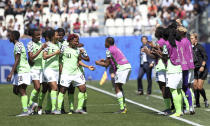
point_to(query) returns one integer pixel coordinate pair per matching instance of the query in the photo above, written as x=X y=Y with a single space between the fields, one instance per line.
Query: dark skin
x=82 y=88
x=32 y=56
x=53 y=85
x=21 y=89
x=106 y=63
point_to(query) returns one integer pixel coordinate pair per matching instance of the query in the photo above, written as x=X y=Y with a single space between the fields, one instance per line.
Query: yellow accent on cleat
x=176 y=114
x=124 y=111
x=69 y=113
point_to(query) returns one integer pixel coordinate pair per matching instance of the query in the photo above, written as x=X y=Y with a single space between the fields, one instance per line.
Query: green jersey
x=70 y=58
x=34 y=47
x=84 y=54
x=52 y=62
x=23 y=66
x=172 y=68
x=160 y=66
x=63 y=43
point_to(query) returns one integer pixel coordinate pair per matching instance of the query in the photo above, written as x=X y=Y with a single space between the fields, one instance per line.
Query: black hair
x=32 y=31
x=173 y=25
x=144 y=37
x=16 y=35
x=173 y=36
x=50 y=34
x=110 y=40
x=166 y=34
x=61 y=30
x=159 y=32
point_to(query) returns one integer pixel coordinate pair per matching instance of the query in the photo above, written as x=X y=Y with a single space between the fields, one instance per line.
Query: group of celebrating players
x=57 y=66
x=180 y=65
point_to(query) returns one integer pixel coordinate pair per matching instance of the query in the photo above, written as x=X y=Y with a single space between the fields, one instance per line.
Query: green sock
x=71 y=101
x=81 y=98
x=193 y=96
x=167 y=102
x=41 y=99
x=24 y=101
x=85 y=102
x=60 y=100
x=33 y=97
x=177 y=99
x=185 y=101
x=120 y=100
x=49 y=104
x=53 y=99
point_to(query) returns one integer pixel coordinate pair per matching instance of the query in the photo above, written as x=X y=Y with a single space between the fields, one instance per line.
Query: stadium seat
x=1 y=12
x=92 y=16
x=83 y=16
x=128 y=23
x=63 y=16
x=94 y=34
x=119 y=24
x=73 y=17
x=20 y=18
x=8 y=17
x=56 y=18
x=110 y=27
x=143 y=10
x=44 y=19
x=46 y=10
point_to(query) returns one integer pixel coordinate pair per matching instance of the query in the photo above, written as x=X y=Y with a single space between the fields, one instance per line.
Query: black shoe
x=206 y=103
x=198 y=106
x=140 y=93
x=149 y=93
x=63 y=111
x=85 y=109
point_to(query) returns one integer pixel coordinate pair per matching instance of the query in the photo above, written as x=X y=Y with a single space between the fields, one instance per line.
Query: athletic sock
x=49 y=104
x=53 y=99
x=120 y=100
x=71 y=101
x=85 y=101
x=33 y=97
x=41 y=98
x=167 y=102
x=193 y=96
x=24 y=102
x=197 y=96
x=185 y=100
x=60 y=100
x=189 y=96
x=113 y=82
x=203 y=93
x=124 y=98
x=177 y=99
x=81 y=98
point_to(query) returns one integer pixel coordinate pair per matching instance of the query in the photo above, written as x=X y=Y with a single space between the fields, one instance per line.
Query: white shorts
x=37 y=75
x=174 y=80
x=160 y=76
x=51 y=75
x=122 y=76
x=191 y=76
x=22 y=78
x=77 y=80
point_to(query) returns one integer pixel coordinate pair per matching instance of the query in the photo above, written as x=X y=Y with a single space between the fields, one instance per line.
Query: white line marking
x=144 y=106
x=156 y=96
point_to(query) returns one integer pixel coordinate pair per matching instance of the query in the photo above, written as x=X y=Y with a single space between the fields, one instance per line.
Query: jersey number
x=20 y=78
x=69 y=55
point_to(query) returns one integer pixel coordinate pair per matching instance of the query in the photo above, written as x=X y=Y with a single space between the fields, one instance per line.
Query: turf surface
x=100 y=110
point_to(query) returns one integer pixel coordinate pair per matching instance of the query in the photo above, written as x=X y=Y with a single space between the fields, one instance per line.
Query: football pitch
x=100 y=108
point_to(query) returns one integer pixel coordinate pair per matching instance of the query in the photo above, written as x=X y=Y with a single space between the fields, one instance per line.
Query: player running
x=114 y=54
x=35 y=50
x=21 y=66
x=70 y=57
x=51 y=66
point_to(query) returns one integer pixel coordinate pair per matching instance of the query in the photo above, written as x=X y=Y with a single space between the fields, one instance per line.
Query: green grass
x=100 y=110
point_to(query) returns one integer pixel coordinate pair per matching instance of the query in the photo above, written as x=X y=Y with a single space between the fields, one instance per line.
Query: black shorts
x=200 y=75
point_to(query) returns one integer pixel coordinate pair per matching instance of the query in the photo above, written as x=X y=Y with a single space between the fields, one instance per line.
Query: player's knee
x=200 y=87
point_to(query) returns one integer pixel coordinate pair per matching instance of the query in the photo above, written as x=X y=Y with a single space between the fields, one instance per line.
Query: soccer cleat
x=198 y=106
x=63 y=111
x=206 y=103
x=80 y=111
x=23 y=114
x=176 y=115
x=71 y=112
x=56 y=112
x=39 y=112
x=32 y=108
x=123 y=111
x=187 y=112
x=140 y=93
x=47 y=112
x=192 y=110
x=85 y=109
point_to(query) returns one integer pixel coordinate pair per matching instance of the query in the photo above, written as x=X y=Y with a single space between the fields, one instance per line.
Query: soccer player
x=201 y=70
x=114 y=54
x=21 y=66
x=174 y=69
x=51 y=66
x=35 y=48
x=187 y=69
x=71 y=73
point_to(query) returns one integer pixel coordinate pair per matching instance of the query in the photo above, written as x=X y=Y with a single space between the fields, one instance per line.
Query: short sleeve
x=30 y=47
x=108 y=54
x=18 y=48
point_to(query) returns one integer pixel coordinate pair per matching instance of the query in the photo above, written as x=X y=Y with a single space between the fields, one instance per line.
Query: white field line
x=144 y=106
